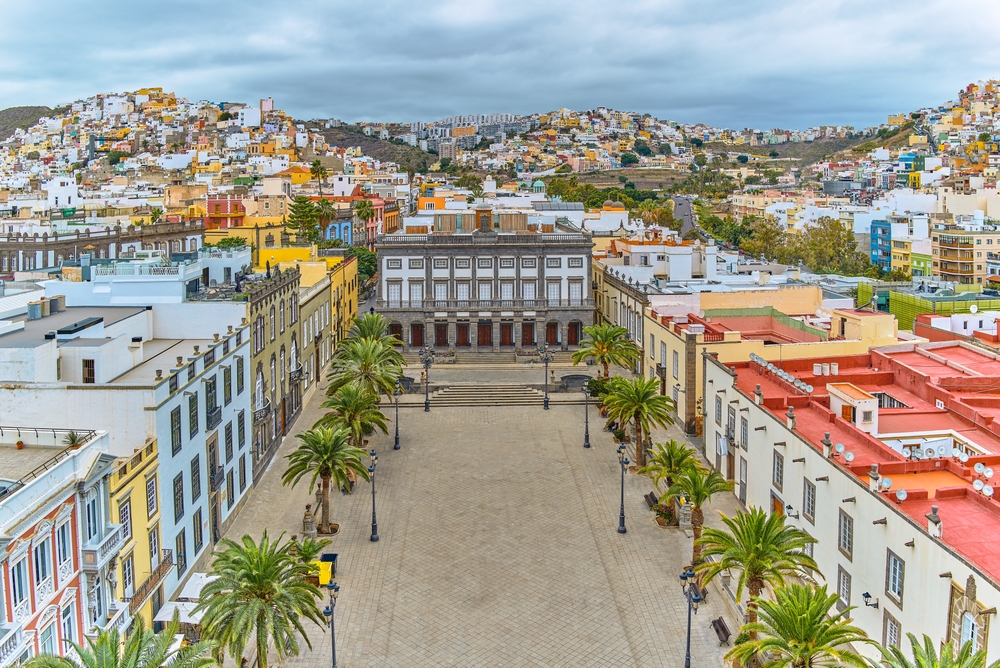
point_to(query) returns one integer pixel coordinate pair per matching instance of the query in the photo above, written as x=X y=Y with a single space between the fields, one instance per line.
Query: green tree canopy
x=303 y=219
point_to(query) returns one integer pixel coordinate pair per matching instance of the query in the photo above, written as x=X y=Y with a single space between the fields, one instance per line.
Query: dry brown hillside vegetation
x=407 y=157
x=19 y=117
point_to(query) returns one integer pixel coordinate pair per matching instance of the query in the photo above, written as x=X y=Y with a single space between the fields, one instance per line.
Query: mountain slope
x=19 y=117
x=405 y=156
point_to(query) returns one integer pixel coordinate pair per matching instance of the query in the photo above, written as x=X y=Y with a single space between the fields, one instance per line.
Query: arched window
x=274 y=373
x=258 y=390
x=293 y=308
x=293 y=357
x=282 y=316
x=284 y=369
x=273 y=331
x=969 y=631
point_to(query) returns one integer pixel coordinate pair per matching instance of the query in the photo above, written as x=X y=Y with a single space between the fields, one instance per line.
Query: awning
x=194 y=585
x=185 y=613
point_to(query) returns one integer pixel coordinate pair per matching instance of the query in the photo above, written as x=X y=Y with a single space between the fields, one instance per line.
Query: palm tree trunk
x=325 y=516
x=606 y=370
x=697 y=522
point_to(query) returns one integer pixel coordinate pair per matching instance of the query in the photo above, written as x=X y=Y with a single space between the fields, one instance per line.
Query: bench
x=650 y=500
x=721 y=630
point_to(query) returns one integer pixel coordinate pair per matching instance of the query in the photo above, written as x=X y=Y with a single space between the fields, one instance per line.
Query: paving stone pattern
x=498 y=548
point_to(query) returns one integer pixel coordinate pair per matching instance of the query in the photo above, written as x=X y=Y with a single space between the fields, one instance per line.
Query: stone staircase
x=504 y=358
x=496 y=394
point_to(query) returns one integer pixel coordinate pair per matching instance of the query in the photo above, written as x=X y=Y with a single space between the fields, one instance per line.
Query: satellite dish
x=848 y=457
x=979 y=467
x=907 y=452
x=928 y=453
x=987 y=490
x=839 y=447
x=955 y=452
x=901 y=495
x=978 y=485
x=886 y=483
x=987 y=473
x=941 y=450
x=964 y=457
x=973 y=309
x=809 y=389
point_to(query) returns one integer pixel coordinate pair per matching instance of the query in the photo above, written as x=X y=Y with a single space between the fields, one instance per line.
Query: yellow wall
x=344 y=297
x=128 y=486
x=789 y=299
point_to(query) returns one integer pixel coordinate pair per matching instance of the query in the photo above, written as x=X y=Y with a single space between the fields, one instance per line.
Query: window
x=528 y=262
x=744 y=432
x=69 y=623
x=894 y=570
x=778 y=470
x=809 y=500
x=229 y=442
x=93 y=517
x=151 y=496
x=19 y=582
x=243 y=473
x=63 y=543
x=416 y=291
x=463 y=263
x=181 y=544
x=890 y=630
x=154 y=547
x=843 y=588
x=195 y=478
x=293 y=309
x=718 y=410
x=484 y=263
x=192 y=367
x=89 y=374
x=845 y=534
x=196 y=533
x=128 y=575
x=241 y=430
x=866 y=416
x=175 y=430
x=393 y=264
x=731 y=423
x=440 y=263
x=193 y=414
x=575 y=262
x=553 y=262
x=171 y=383
x=273 y=324
x=506 y=263
x=230 y=490
x=743 y=481
x=677 y=364
x=125 y=518
x=227 y=386
x=281 y=315
x=239 y=375
x=652 y=347
x=47 y=640
x=209 y=358
x=178 y=496
x=43 y=561
x=969 y=631
x=416 y=263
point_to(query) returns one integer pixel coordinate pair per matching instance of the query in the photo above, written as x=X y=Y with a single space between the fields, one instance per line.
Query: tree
x=469 y=182
x=142 y=649
x=303 y=219
x=761 y=547
x=829 y=246
x=799 y=629
x=326 y=213
x=372 y=326
x=225 y=116
x=668 y=461
x=374 y=365
x=318 y=172
x=697 y=486
x=642 y=148
x=367 y=261
x=327 y=455
x=629 y=159
x=928 y=656
x=355 y=409
x=697 y=143
x=154 y=215
x=766 y=239
x=774 y=154
x=606 y=344
x=743 y=159
x=114 y=157
x=364 y=210
x=261 y=593
x=638 y=401
x=229 y=243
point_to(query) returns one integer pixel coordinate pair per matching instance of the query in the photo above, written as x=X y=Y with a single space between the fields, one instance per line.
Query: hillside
x=804 y=153
x=644 y=179
x=19 y=117
x=407 y=157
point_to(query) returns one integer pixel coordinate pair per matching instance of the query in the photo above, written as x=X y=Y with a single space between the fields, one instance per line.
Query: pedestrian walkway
x=498 y=548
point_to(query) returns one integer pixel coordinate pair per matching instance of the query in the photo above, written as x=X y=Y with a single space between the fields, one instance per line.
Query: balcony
x=483 y=304
x=213 y=417
x=218 y=477
x=149 y=585
x=120 y=621
x=12 y=644
x=295 y=374
x=661 y=371
x=96 y=556
x=261 y=414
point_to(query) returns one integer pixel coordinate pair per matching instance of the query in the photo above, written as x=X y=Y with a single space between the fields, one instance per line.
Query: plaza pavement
x=498 y=548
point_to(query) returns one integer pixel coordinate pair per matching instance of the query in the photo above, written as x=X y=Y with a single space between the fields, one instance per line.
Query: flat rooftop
x=15 y=464
x=160 y=354
x=33 y=334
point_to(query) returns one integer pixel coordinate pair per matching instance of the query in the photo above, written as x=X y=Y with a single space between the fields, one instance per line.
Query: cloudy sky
x=733 y=63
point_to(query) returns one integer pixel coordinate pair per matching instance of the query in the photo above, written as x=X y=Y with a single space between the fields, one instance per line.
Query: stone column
x=474 y=333
x=496 y=335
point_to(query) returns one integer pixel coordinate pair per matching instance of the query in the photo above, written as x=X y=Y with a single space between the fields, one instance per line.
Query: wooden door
x=573 y=334
x=552 y=333
x=441 y=335
x=527 y=334
x=485 y=336
x=777 y=507
x=397 y=331
x=462 y=334
x=506 y=334
x=417 y=335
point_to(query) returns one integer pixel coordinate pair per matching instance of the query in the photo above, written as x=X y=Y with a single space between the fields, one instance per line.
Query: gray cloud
x=770 y=63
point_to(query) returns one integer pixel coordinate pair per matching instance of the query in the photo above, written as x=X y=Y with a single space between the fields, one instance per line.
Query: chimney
x=873 y=478
x=934 y=526
x=791 y=418
x=758 y=396
x=827 y=445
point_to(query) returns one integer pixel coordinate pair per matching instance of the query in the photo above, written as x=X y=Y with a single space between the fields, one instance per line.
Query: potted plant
x=620 y=435
x=20 y=444
x=665 y=513
x=73 y=440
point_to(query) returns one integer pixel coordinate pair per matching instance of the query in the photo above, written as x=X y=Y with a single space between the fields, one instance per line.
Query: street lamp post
x=546 y=356
x=427 y=358
x=371 y=471
x=691 y=591
x=395 y=393
x=334 y=590
x=586 y=417
x=623 y=462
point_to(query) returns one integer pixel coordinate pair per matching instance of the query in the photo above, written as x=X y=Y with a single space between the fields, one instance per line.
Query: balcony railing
x=121 y=620
x=218 y=478
x=483 y=304
x=261 y=414
x=661 y=371
x=143 y=592
x=10 y=645
x=97 y=555
x=213 y=417
x=295 y=374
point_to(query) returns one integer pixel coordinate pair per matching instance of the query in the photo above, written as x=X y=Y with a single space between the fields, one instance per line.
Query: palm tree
x=318 y=172
x=928 y=656
x=372 y=326
x=142 y=649
x=607 y=344
x=261 y=593
x=648 y=211
x=325 y=213
x=364 y=210
x=354 y=408
x=761 y=547
x=328 y=455
x=668 y=461
x=799 y=630
x=697 y=485
x=373 y=364
x=639 y=401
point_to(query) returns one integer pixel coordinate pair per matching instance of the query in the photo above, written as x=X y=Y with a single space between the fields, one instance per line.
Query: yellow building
x=344 y=298
x=901 y=250
x=133 y=484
